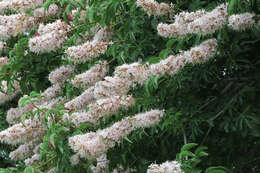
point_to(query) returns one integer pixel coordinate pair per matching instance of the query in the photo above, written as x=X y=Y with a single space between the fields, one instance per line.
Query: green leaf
x=188 y=146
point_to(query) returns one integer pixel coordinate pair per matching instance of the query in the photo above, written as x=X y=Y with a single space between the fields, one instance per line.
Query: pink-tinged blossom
x=13 y=115
x=210 y=22
x=166 y=167
x=94 y=144
x=52 y=10
x=87 y=51
x=82 y=100
x=197 y=54
x=112 y=86
x=23 y=151
x=100 y=108
x=240 y=22
x=61 y=74
x=52 y=91
x=180 y=25
x=152 y=7
x=91 y=76
x=19 y=5
x=19 y=133
x=13 y=24
x=51 y=37
x=30 y=161
x=199 y=22
x=135 y=72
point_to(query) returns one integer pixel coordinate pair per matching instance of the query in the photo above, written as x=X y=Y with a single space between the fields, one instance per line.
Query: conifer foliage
x=129 y=86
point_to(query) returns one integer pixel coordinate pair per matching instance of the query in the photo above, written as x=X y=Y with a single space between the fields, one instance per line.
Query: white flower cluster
x=90 y=49
x=4 y=97
x=14 y=115
x=13 y=24
x=30 y=161
x=52 y=10
x=152 y=7
x=86 y=51
x=82 y=100
x=3 y=61
x=51 y=37
x=242 y=21
x=60 y=74
x=197 y=54
x=19 y=5
x=91 y=76
x=23 y=151
x=20 y=134
x=52 y=92
x=195 y=22
x=135 y=72
x=94 y=144
x=100 y=108
x=166 y=167
x=111 y=86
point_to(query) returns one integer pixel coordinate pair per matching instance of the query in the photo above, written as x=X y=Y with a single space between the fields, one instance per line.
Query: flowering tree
x=129 y=86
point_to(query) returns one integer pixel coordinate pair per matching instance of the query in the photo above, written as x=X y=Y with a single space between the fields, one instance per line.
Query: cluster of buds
x=242 y=21
x=94 y=144
x=166 y=167
x=91 y=76
x=152 y=7
x=4 y=96
x=173 y=64
x=195 y=22
x=49 y=37
x=19 y=5
x=60 y=74
x=100 y=108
